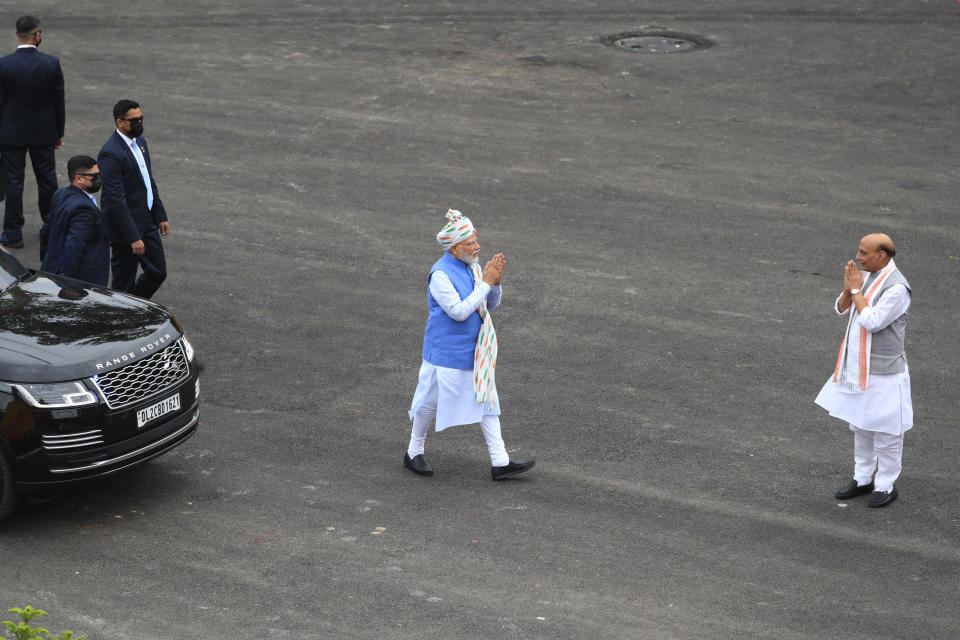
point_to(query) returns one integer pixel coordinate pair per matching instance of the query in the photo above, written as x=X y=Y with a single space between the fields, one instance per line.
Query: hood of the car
x=54 y=329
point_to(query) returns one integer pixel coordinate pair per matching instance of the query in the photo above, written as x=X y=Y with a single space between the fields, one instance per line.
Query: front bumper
x=116 y=443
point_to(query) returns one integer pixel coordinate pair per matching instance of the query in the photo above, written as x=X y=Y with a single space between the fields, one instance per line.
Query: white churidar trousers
x=453 y=389
x=875 y=450
x=491 y=433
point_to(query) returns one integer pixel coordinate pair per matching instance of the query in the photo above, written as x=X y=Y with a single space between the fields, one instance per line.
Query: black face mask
x=136 y=129
x=95 y=184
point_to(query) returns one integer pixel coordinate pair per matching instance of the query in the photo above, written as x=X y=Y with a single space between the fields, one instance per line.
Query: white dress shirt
x=144 y=173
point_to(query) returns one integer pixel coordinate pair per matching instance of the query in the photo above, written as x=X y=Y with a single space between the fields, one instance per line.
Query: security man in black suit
x=72 y=243
x=32 y=118
x=133 y=215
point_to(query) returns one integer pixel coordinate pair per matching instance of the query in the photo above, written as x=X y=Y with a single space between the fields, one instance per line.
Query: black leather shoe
x=418 y=464
x=13 y=244
x=882 y=498
x=511 y=469
x=852 y=490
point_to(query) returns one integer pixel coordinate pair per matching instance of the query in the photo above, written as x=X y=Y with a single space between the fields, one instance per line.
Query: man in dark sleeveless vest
x=456 y=383
x=870 y=385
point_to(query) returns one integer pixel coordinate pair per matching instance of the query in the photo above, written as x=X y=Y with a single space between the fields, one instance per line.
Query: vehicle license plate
x=155 y=411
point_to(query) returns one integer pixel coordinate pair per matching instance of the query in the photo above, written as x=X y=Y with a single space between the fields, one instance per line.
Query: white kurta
x=886 y=406
x=451 y=390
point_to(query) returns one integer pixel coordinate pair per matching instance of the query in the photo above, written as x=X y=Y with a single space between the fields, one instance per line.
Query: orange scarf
x=855 y=374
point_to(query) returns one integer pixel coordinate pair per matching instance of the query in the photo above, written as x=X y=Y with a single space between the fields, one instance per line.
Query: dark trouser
x=13 y=165
x=123 y=264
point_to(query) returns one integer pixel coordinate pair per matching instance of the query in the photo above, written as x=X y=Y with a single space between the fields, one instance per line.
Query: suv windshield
x=10 y=270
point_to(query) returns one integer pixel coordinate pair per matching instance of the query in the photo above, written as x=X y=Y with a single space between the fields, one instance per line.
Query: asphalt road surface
x=675 y=227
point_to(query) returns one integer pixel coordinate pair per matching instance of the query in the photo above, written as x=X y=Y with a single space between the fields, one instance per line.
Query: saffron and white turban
x=457 y=229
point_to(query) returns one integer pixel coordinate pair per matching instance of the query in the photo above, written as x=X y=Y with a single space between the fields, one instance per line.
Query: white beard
x=469 y=259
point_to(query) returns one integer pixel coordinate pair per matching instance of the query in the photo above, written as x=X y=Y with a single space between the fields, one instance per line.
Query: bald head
x=875 y=252
x=881 y=241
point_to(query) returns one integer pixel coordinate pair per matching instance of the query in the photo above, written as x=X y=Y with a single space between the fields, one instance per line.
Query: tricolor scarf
x=853 y=373
x=485 y=355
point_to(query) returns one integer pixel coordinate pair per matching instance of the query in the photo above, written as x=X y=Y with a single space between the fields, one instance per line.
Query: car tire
x=8 y=489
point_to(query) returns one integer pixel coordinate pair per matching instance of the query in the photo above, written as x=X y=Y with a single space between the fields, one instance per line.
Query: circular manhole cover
x=658 y=42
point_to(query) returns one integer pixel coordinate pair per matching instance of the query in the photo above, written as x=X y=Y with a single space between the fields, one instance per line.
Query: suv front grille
x=66 y=443
x=144 y=378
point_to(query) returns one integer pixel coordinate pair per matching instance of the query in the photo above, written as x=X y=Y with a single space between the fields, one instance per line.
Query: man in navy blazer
x=73 y=233
x=133 y=215
x=32 y=118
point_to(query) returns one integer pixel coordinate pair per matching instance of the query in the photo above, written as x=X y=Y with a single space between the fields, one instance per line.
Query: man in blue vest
x=870 y=385
x=32 y=118
x=456 y=384
x=72 y=243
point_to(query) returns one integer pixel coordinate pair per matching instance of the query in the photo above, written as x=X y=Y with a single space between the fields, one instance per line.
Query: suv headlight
x=56 y=395
x=187 y=348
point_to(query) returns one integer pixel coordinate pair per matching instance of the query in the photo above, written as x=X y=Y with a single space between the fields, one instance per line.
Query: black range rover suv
x=92 y=381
